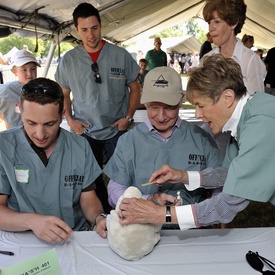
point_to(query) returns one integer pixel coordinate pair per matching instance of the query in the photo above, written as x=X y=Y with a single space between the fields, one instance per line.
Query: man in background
x=270 y=76
x=156 y=57
x=206 y=47
x=102 y=78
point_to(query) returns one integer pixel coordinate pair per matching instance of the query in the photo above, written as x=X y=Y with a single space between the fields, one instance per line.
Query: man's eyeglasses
x=158 y=43
x=53 y=91
x=97 y=76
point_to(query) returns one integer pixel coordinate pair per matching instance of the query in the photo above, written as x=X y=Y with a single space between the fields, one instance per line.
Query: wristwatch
x=102 y=214
x=130 y=119
x=168 y=215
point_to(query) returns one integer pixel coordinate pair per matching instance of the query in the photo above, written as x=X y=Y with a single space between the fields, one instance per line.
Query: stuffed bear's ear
x=130 y=192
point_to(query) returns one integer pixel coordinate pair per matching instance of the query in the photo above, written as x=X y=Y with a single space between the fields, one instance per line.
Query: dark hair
x=43 y=91
x=143 y=60
x=213 y=76
x=85 y=10
x=231 y=11
x=247 y=38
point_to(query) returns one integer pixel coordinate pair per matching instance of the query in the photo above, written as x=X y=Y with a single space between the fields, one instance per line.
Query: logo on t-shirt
x=196 y=159
x=117 y=73
x=73 y=180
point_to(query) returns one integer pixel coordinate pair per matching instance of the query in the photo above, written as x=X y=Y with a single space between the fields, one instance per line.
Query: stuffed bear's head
x=132 y=241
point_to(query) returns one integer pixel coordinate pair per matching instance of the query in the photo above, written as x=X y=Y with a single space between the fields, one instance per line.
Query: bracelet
x=100 y=214
x=168 y=214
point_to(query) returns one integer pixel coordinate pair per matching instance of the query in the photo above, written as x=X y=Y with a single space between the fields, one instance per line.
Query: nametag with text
x=46 y=263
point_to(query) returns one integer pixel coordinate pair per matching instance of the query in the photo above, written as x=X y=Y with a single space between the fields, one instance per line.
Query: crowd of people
x=52 y=180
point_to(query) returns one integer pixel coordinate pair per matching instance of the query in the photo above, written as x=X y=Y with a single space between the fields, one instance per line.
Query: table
x=197 y=251
x=141 y=116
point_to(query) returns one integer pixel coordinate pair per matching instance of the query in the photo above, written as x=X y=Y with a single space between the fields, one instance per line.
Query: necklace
x=228 y=52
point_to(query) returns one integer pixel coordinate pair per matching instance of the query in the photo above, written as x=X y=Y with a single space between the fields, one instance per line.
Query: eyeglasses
x=258 y=262
x=97 y=76
x=158 y=43
x=51 y=90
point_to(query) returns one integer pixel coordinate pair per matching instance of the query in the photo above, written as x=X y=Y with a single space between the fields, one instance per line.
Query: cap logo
x=161 y=82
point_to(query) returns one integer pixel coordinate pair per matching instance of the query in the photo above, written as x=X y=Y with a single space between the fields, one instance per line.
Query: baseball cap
x=23 y=57
x=162 y=84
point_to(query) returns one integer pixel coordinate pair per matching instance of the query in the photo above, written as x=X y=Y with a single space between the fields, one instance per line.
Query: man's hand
x=77 y=126
x=121 y=124
x=133 y=210
x=169 y=174
x=50 y=228
x=101 y=227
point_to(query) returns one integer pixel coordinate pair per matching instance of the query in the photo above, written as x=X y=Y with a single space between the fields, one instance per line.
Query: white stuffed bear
x=132 y=241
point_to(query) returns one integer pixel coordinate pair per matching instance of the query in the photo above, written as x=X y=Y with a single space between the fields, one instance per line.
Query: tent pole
x=49 y=59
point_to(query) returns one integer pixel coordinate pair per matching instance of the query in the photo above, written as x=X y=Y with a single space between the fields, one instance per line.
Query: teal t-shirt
x=140 y=152
x=9 y=103
x=251 y=172
x=98 y=105
x=51 y=190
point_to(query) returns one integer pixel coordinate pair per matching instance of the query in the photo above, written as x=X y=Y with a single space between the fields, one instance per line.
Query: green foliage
x=178 y=30
x=6 y=44
x=192 y=27
x=64 y=46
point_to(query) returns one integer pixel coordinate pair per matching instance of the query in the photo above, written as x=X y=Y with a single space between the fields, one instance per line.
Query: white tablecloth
x=185 y=114
x=199 y=251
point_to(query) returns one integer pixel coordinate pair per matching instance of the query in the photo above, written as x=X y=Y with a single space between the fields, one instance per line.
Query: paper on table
x=47 y=263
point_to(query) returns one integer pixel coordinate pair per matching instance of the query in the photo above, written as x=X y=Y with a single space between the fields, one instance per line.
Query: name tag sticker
x=22 y=175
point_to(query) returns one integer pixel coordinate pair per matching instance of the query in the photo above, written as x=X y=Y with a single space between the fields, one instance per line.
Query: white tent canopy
x=124 y=20
x=188 y=45
x=11 y=53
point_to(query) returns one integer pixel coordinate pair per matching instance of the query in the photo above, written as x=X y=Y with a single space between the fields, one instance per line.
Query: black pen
x=6 y=253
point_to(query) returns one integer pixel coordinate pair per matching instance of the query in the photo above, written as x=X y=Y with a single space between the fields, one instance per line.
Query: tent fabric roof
x=124 y=20
x=188 y=45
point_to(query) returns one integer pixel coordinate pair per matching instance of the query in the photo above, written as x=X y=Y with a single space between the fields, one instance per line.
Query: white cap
x=23 y=57
x=162 y=84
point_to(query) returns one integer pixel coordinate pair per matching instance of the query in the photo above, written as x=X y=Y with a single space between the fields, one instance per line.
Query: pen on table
x=9 y=253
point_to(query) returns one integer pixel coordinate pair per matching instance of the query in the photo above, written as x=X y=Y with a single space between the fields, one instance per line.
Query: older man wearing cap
x=162 y=140
x=24 y=66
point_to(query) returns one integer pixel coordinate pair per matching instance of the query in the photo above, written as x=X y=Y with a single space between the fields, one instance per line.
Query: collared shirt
x=156 y=59
x=158 y=134
x=232 y=123
x=253 y=69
